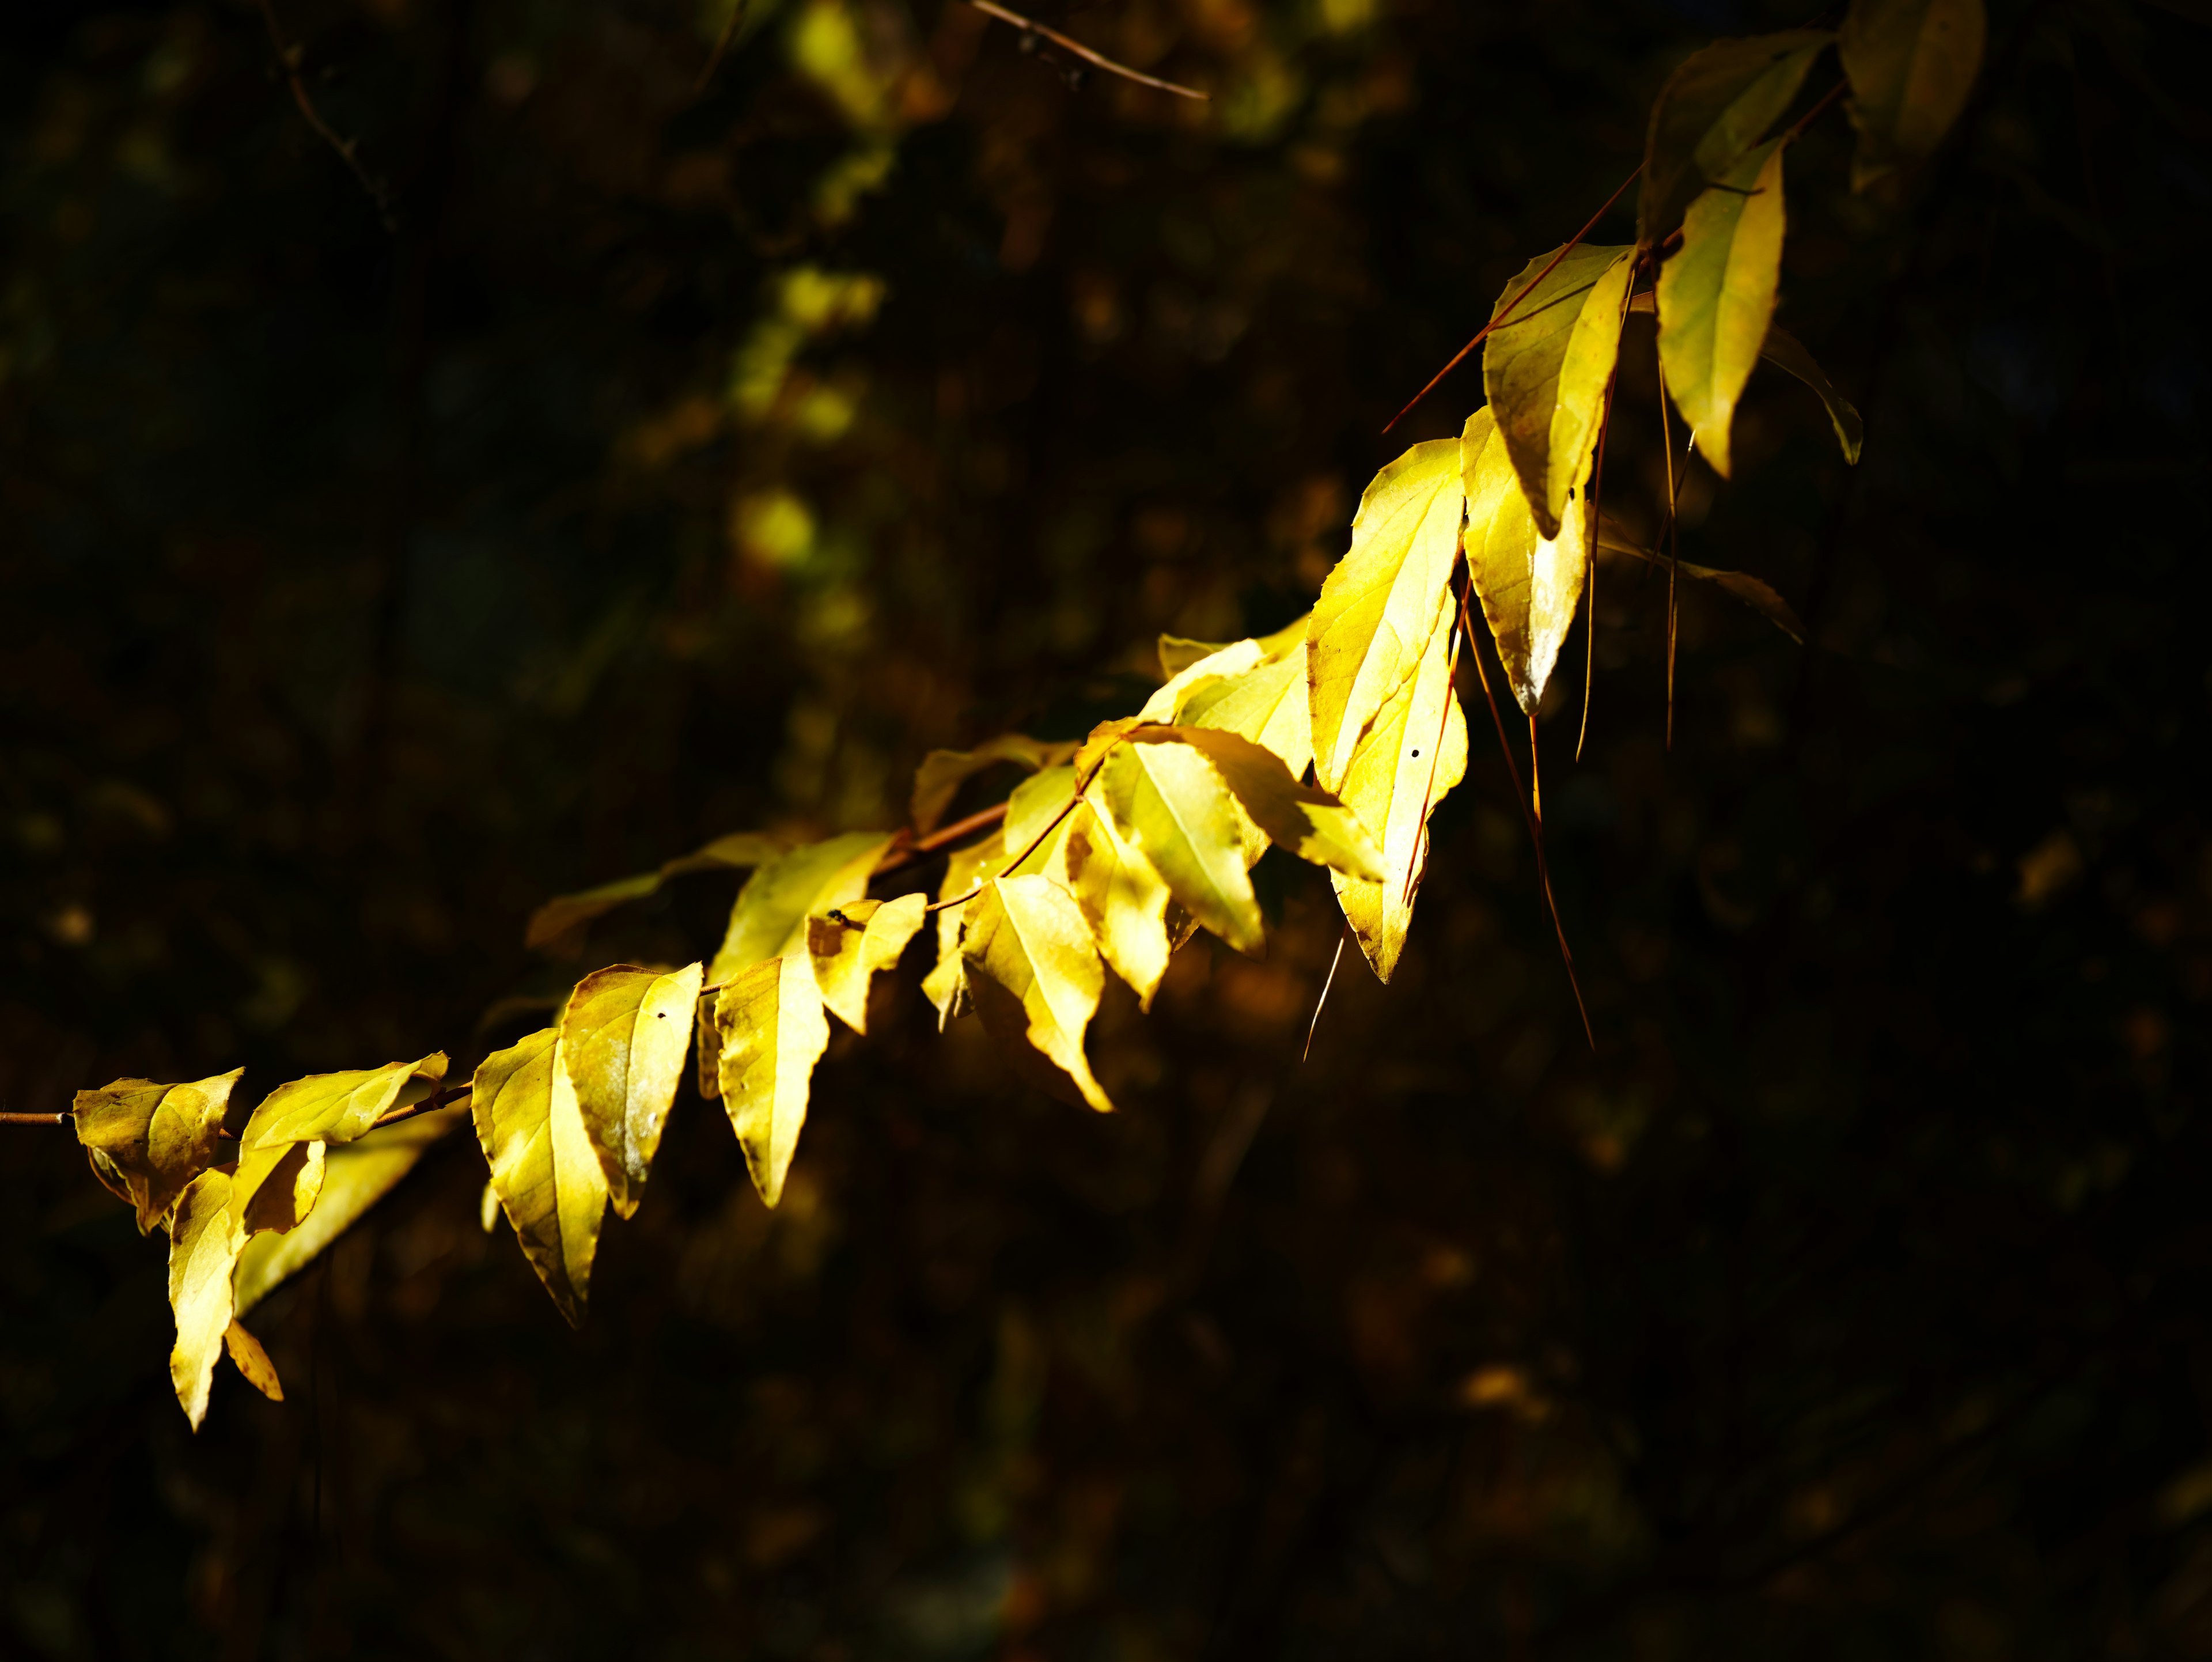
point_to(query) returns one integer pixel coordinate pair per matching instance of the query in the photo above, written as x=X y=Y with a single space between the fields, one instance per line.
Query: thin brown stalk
x=1032 y=27
x=451 y=1096
x=44 y=1119
x=1798 y=127
x=721 y=49
x=905 y=853
x=1673 y=541
x=1504 y=313
x=348 y=149
x=1306 y=1054
x=1038 y=841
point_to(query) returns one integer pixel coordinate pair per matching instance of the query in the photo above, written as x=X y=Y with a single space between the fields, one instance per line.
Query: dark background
x=684 y=463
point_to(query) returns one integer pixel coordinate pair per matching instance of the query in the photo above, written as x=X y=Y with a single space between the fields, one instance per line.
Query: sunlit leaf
x=850 y=946
x=1712 y=112
x=1169 y=801
x=1256 y=689
x=565 y=912
x=1758 y=596
x=252 y=1360
x=1785 y=351
x=769 y=919
x=550 y=1182
x=1121 y=898
x=1311 y=823
x=964 y=872
x=204 y=1238
x=1178 y=655
x=943 y=771
x=1378 y=606
x=773 y=1033
x=1036 y=978
x=624 y=1034
x=1546 y=370
x=1717 y=297
x=1528 y=585
x=1397 y=776
x=1038 y=809
x=339 y=1107
x=1912 y=64
x=147 y=1142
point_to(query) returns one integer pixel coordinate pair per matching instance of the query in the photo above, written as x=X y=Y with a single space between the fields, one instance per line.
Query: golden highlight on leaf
x=548 y=1180
x=1528 y=585
x=147 y=1142
x=1717 y=297
x=1178 y=655
x=1311 y=823
x=1379 y=605
x=773 y=1031
x=252 y=1360
x=624 y=1034
x=339 y=1107
x=1546 y=370
x=1122 y=900
x=1911 y=65
x=1036 y=980
x=1712 y=110
x=943 y=986
x=769 y=919
x=1255 y=689
x=1169 y=803
x=944 y=772
x=849 y=947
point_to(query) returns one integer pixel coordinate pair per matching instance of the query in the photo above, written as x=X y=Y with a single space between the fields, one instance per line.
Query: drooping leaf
x=1169 y=801
x=558 y=916
x=1912 y=64
x=1713 y=111
x=146 y=1142
x=1546 y=370
x=339 y=1107
x=356 y=1176
x=550 y=1182
x=769 y=919
x=965 y=873
x=204 y=1238
x=773 y=1033
x=1397 y=776
x=944 y=772
x=1036 y=978
x=1263 y=699
x=1178 y=655
x=1758 y=596
x=1785 y=351
x=1121 y=898
x=1717 y=297
x=624 y=1034
x=1312 y=824
x=1528 y=584
x=850 y=946
x=1039 y=808
x=1377 y=606
x=252 y=1360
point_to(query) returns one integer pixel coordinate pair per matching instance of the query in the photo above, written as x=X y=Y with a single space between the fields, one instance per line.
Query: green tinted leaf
x=851 y=945
x=943 y=985
x=548 y=1180
x=1312 y=824
x=339 y=1107
x=1378 y=604
x=1711 y=112
x=624 y=1034
x=1717 y=297
x=1031 y=813
x=943 y=771
x=773 y=1033
x=1169 y=801
x=1036 y=979
x=148 y=1140
x=1785 y=351
x=1528 y=584
x=1911 y=65
x=769 y=919
x=1122 y=900
x=1546 y=370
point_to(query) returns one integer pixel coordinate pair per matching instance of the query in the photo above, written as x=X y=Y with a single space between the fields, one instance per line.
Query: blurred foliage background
x=681 y=460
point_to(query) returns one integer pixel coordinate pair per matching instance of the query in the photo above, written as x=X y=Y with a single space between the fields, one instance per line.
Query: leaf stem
x=348 y=148
x=721 y=48
x=62 y=1118
x=1032 y=26
x=921 y=848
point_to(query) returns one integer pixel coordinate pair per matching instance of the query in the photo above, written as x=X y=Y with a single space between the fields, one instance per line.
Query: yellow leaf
x=773 y=1033
x=1178 y=655
x=1717 y=297
x=1912 y=64
x=147 y=1142
x=943 y=771
x=1036 y=978
x=204 y=1239
x=1169 y=801
x=1528 y=584
x=1037 y=809
x=1378 y=606
x=276 y=1184
x=1122 y=900
x=354 y=1177
x=339 y=1107
x=943 y=986
x=850 y=946
x=770 y=919
x=1256 y=689
x=253 y=1361
x=1311 y=823
x=1546 y=370
x=1712 y=110
x=624 y=1034
x=565 y=912
x=550 y=1182
x=1397 y=778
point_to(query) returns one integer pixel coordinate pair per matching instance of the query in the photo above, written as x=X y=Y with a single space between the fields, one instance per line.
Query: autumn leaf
x=339 y=1107
x=964 y=871
x=205 y=1240
x=548 y=1180
x=770 y=919
x=1038 y=809
x=624 y=1034
x=146 y=1142
x=1785 y=351
x=1528 y=585
x=1311 y=823
x=1717 y=297
x=1036 y=979
x=1397 y=776
x=1255 y=689
x=773 y=1033
x=1711 y=112
x=851 y=945
x=1169 y=803
x=558 y=916
x=1177 y=654
x=1760 y=597
x=252 y=1361
x=1380 y=603
x=1911 y=65
x=943 y=771
x=1122 y=900
x=1546 y=369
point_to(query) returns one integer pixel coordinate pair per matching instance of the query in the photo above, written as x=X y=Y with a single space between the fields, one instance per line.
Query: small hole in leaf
x=1417 y=752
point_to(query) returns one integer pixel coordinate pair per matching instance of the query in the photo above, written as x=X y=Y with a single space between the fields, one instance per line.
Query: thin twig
x=448 y=1097
x=1030 y=27
x=1798 y=127
x=922 y=847
x=1503 y=313
x=721 y=48
x=1313 y=1026
x=62 y=1118
x=1051 y=826
x=348 y=149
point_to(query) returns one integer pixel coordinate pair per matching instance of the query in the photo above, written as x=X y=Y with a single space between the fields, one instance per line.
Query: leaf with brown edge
x=1717 y=297
x=1397 y=778
x=1713 y=110
x=624 y=1034
x=548 y=1181
x=1036 y=978
x=252 y=1360
x=1311 y=823
x=563 y=913
x=1122 y=900
x=1528 y=585
x=146 y=1142
x=1760 y=596
x=850 y=946
x=944 y=772
x=1546 y=368
x=1377 y=606
x=1912 y=64
x=773 y=1033
x=1169 y=803
x=769 y=919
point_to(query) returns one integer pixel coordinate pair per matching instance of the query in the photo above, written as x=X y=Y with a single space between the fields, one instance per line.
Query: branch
x=922 y=848
x=721 y=48
x=1037 y=30
x=348 y=148
x=62 y=1118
